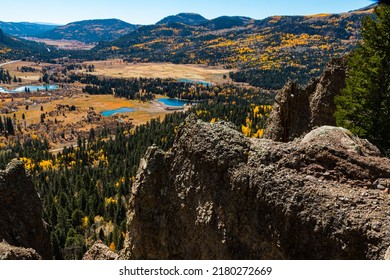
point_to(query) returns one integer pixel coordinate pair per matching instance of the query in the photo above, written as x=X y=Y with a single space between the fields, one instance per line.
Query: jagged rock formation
x=99 y=251
x=299 y=110
x=21 y=223
x=8 y=252
x=220 y=195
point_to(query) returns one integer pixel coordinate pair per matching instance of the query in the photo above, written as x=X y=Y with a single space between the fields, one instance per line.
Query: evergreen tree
x=10 y=126
x=364 y=105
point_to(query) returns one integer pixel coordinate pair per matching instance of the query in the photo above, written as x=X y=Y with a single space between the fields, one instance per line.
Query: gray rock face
x=8 y=252
x=387 y=255
x=298 y=110
x=21 y=223
x=99 y=251
x=220 y=195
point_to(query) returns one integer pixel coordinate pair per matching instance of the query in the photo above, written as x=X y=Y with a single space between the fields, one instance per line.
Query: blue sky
x=151 y=11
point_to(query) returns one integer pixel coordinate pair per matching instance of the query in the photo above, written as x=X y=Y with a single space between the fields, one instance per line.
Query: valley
x=147 y=140
x=64 y=44
x=123 y=69
x=61 y=124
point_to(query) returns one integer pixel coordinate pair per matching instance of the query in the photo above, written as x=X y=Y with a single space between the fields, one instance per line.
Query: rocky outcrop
x=8 y=252
x=220 y=195
x=21 y=223
x=299 y=110
x=100 y=251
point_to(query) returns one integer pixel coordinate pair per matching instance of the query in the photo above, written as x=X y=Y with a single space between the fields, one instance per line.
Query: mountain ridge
x=17 y=48
x=186 y=18
x=266 y=52
x=90 y=31
x=25 y=29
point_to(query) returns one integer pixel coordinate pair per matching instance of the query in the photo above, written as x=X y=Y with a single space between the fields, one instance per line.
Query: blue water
x=172 y=102
x=188 y=81
x=2 y=90
x=110 y=113
x=35 y=88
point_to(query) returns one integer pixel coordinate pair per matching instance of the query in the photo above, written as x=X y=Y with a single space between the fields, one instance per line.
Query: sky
x=151 y=11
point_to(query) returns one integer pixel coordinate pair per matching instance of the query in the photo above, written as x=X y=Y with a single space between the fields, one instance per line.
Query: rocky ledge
x=220 y=195
x=21 y=223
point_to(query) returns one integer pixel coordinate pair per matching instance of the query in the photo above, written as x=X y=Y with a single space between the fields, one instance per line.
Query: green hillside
x=186 y=18
x=90 y=31
x=267 y=52
x=16 y=48
x=25 y=29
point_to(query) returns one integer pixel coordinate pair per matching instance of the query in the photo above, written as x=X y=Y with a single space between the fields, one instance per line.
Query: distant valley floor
x=120 y=69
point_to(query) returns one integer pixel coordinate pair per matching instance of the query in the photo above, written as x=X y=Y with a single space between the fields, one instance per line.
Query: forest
x=85 y=188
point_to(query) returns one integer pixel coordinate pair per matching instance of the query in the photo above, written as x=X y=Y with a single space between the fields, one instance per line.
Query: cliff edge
x=220 y=195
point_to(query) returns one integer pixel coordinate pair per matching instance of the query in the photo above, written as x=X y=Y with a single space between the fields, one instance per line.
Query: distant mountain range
x=267 y=52
x=90 y=31
x=25 y=29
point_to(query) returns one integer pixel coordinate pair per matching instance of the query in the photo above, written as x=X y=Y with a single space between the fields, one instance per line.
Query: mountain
x=266 y=52
x=25 y=29
x=365 y=9
x=90 y=31
x=17 y=48
x=226 y=22
x=186 y=18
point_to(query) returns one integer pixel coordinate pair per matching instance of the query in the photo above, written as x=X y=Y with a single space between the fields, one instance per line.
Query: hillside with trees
x=25 y=29
x=17 y=48
x=90 y=31
x=186 y=18
x=286 y=47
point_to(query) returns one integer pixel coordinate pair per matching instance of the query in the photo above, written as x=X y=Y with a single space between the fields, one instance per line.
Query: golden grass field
x=119 y=69
x=64 y=44
x=144 y=110
x=28 y=78
x=110 y=68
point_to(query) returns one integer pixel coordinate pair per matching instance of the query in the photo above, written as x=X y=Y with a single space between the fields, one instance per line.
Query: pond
x=110 y=113
x=188 y=81
x=34 y=88
x=173 y=102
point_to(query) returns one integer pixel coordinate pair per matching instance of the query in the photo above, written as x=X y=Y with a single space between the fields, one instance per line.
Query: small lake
x=188 y=81
x=35 y=88
x=173 y=102
x=110 y=113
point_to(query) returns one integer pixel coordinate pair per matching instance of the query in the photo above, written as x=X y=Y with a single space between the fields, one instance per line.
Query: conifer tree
x=364 y=105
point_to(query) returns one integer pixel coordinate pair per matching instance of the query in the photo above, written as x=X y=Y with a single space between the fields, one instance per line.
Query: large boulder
x=220 y=195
